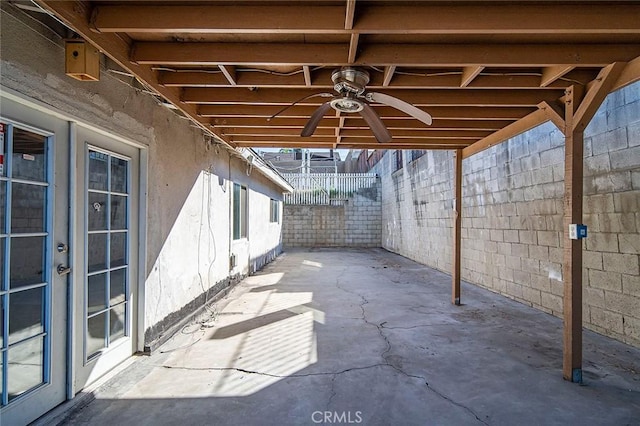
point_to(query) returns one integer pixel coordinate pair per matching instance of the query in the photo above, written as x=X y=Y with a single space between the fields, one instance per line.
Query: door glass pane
x=96 y=293
x=27 y=261
x=116 y=322
x=25 y=367
x=1 y=330
x=97 y=252
x=29 y=161
x=107 y=251
x=28 y=207
x=3 y=206
x=97 y=217
x=95 y=333
x=118 y=286
x=118 y=175
x=118 y=249
x=98 y=170
x=3 y=241
x=118 y=212
x=26 y=316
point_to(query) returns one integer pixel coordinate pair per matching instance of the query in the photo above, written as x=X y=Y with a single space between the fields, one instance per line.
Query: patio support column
x=457 y=226
x=578 y=112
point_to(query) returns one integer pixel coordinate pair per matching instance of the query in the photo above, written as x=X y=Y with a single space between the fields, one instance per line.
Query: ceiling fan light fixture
x=347 y=104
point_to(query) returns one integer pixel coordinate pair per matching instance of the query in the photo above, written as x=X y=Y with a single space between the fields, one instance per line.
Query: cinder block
x=627 y=202
x=528 y=237
x=624 y=159
x=594 y=296
x=539 y=252
x=601 y=203
x=541 y=282
x=552 y=156
x=632 y=327
x=623 y=263
x=592 y=260
x=631 y=285
x=548 y=238
x=606 y=319
x=611 y=281
x=622 y=303
x=602 y=242
x=532 y=295
x=552 y=302
x=613 y=140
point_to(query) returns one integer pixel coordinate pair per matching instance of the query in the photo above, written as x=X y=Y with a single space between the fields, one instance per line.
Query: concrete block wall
x=357 y=223
x=512 y=216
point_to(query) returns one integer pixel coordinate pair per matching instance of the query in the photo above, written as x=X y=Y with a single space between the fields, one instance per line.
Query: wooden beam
x=467 y=97
x=353 y=48
x=551 y=74
x=306 y=69
x=472 y=113
x=388 y=74
x=572 y=252
x=469 y=74
x=76 y=15
x=354 y=123
x=399 y=141
x=315 y=143
x=457 y=226
x=229 y=72
x=495 y=55
x=265 y=54
x=630 y=74
x=526 y=123
x=350 y=14
x=322 y=80
x=416 y=55
x=596 y=94
x=554 y=114
x=397 y=19
x=219 y=19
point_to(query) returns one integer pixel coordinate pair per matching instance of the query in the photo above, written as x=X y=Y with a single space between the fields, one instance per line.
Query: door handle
x=63 y=270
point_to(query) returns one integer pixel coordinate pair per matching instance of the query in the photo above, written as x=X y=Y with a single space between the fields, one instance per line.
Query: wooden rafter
x=383 y=19
x=411 y=55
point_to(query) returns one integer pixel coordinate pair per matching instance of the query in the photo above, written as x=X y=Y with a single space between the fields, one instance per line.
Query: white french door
x=106 y=259
x=33 y=296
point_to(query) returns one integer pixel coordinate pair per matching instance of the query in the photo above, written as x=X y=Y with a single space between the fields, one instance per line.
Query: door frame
x=143 y=152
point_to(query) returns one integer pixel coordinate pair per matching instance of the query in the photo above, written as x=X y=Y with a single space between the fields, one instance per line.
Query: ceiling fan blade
x=377 y=126
x=313 y=122
x=400 y=105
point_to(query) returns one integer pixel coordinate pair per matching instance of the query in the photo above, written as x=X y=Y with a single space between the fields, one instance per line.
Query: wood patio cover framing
x=485 y=70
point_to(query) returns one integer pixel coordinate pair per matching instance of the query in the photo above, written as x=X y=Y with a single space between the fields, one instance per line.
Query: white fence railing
x=326 y=188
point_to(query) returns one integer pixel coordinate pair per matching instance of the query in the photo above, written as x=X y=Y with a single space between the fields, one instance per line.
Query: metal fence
x=326 y=188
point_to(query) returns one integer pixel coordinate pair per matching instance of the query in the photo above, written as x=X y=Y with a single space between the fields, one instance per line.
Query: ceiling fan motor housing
x=350 y=80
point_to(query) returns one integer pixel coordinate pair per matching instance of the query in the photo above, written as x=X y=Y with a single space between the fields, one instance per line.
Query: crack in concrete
x=333 y=391
x=384 y=353
x=278 y=376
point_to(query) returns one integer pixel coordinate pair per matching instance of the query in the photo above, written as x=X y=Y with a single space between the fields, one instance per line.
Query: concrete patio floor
x=367 y=337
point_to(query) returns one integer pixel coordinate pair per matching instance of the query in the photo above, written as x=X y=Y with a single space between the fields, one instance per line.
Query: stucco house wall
x=189 y=180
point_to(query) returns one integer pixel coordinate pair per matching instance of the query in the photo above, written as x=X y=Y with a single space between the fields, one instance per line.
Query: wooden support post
x=572 y=257
x=457 y=226
x=578 y=112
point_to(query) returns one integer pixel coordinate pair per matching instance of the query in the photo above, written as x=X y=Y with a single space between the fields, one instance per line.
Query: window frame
x=274 y=211
x=240 y=198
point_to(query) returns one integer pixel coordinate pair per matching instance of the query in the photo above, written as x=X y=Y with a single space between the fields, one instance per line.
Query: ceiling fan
x=350 y=83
